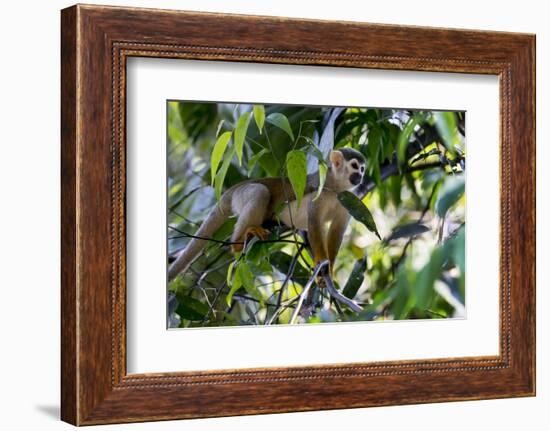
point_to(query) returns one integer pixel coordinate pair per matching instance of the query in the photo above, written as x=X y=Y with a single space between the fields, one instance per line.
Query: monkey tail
x=208 y=227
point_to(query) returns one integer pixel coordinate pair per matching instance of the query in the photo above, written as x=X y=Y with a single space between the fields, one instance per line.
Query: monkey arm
x=336 y=233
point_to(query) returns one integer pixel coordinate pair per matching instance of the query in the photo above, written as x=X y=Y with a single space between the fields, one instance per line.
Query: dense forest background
x=403 y=253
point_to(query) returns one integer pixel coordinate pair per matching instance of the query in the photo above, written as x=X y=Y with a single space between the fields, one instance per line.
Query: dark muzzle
x=355 y=178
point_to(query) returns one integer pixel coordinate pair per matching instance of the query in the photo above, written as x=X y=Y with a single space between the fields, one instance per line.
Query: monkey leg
x=250 y=204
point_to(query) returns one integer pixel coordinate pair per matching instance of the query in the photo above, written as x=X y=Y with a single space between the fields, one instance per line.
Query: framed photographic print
x=330 y=222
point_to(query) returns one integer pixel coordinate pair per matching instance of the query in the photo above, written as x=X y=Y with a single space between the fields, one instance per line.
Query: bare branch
x=333 y=292
x=320 y=267
x=219 y=241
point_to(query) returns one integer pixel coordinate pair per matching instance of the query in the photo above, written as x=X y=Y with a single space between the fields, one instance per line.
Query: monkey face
x=348 y=167
x=356 y=171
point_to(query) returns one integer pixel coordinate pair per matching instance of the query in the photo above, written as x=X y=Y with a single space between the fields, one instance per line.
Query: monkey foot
x=327 y=270
x=257 y=231
x=320 y=281
x=237 y=248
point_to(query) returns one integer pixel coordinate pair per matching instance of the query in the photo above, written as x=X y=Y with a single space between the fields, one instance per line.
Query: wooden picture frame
x=95 y=43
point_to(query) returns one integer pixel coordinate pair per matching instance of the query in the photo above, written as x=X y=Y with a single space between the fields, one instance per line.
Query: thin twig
x=305 y=292
x=214 y=302
x=220 y=241
x=290 y=273
x=280 y=310
x=187 y=220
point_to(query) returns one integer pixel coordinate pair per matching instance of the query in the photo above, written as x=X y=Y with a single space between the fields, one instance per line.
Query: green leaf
x=175 y=134
x=445 y=123
x=390 y=141
x=191 y=309
x=247 y=278
x=296 y=166
x=236 y=285
x=449 y=194
x=220 y=176
x=358 y=210
x=240 y=134
x=322 y=178
x=230 y=271
x=427 y=277
x=374 y=150
x=374 y=142
x=407 y=231
x=254 y=160
x=217 y=153
x=243 y=277
x=259 y=116
x=405 y=135
x=256 y=254
x=356 y=278
x=394 y=185
x=281 y=121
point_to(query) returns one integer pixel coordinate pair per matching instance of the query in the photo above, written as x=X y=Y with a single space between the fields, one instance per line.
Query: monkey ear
x=336 y=158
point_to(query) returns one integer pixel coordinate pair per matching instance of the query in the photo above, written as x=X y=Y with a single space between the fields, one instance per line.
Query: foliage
x=403 y=252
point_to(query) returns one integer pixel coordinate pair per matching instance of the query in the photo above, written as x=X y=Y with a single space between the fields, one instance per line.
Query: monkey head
x=348 y=168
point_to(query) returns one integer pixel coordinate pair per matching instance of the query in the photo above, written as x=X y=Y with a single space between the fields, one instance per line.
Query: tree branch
x=223 y=242
x=391 y=170
x=337 y=296
x=303 y=295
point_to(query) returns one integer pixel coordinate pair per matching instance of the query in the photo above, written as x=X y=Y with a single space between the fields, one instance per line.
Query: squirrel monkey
x=255 y=201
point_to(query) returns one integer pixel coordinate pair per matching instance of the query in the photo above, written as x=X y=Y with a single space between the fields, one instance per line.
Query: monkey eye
x=354 y=165
x=362 y=168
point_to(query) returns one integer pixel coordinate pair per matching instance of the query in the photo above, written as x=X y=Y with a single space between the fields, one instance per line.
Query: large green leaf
x=218 y=152
x=240 y=134
x=405 y=135
x=451 y=191
x=296 y=167
x=358 y=210
x=281 y=121
x=259 y=116
x=191 y=309
x=445 y=122
x=427 y=277
x=356 y=278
